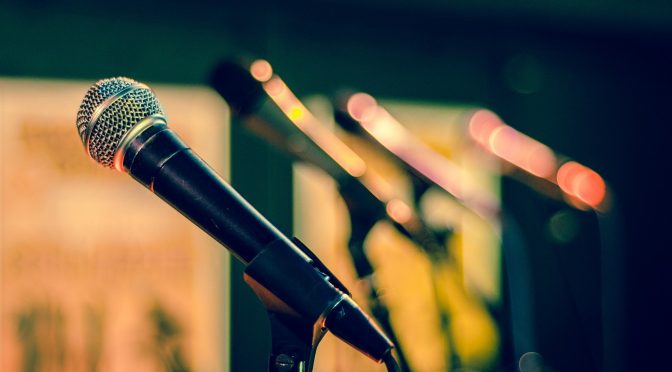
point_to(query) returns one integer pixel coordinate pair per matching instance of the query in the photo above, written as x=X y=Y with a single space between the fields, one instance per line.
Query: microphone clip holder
x=294 y=339
x=293 y=343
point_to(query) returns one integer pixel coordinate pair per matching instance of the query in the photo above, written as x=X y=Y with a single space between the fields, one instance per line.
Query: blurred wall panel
x=96 y=273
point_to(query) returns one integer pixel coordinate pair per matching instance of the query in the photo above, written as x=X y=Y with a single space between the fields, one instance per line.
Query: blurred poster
x=417 y=292
x=97 y=273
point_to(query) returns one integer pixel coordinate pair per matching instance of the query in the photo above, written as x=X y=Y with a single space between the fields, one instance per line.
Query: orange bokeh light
x=304 y=120
x=489 y=131
x=275 y=87
x=482 y=123
x=399 y=211
x=261 y=70
x=398 y=140
x=539 y=160
x=362 y=107
x=582 y=183
x=522 y=151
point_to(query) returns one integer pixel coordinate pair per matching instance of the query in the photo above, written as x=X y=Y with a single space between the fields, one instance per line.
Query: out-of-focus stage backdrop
x=96 y=274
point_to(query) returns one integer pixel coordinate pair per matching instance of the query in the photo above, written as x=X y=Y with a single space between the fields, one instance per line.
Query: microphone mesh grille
x=97 y=94
x=116 y=119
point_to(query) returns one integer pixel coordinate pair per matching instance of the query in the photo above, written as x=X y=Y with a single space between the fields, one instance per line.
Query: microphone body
x=158 y=159
x=125 y=134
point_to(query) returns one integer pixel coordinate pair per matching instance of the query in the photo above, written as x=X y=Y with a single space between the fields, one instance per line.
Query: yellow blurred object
x=418 y=293
x=407 y=280
x=472 y=329
x=402 y=272
x=321 y=221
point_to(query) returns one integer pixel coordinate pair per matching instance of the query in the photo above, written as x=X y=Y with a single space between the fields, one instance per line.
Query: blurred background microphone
x=269 y=108
x=528 y=161
x=537 y=165
x=359 y=113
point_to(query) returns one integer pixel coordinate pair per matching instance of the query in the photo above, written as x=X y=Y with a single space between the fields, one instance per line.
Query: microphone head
x=109 y=110
x=233 y=80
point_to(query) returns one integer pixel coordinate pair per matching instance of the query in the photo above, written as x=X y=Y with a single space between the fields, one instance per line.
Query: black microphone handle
x=158 y=159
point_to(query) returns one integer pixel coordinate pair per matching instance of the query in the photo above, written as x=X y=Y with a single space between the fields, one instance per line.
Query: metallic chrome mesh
x=117 y=119
x=99 y=92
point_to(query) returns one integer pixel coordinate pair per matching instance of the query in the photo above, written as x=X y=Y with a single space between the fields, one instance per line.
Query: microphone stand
x=293 y=343
x=294 y=340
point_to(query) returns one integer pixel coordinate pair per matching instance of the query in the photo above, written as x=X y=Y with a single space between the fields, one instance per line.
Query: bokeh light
x=261 y=70
x=582 y=183
x=362 y=107
x=489 y=131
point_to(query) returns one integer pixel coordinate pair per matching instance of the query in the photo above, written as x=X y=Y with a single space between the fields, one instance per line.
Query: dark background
x=589 y=78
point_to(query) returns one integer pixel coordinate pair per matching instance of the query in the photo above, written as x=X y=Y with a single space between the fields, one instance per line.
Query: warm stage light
x=399 y=211
x=482 y=124
x=539 y=160
x=275 y=87
x=566 y=174
x=304 y=120
x=501 y=142
x=261 y=70
x=511 y=145
x=392 y=135
x=295 y=113
x=362 y=107
x=582 y=183
x=591 y=188
x=386 y=130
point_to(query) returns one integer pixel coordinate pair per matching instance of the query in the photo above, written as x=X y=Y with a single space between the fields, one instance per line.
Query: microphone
x=265 y=102
x=360 y=114
x=122 y=126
